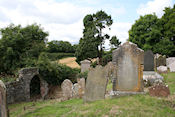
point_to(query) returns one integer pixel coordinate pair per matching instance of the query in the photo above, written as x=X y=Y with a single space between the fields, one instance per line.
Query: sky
x=63 y=19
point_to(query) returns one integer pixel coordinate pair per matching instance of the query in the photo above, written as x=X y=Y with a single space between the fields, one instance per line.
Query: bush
x=83 y=75
x=56 y=56
x=55 y=73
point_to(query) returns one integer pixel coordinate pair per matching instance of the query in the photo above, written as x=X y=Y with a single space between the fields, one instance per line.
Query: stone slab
x=114 y=94
x=151 y=77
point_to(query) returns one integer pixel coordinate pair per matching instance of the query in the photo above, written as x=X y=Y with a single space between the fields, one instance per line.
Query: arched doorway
x=35 y=88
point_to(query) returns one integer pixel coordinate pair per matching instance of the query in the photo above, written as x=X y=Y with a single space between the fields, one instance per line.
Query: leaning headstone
x=3 y=100
x=95 y=84
x=85 y=65
x=67 y=89
x=129 y=68
x=148 y=61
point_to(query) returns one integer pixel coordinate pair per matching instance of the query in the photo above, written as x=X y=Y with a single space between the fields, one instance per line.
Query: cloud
x=63 y=20
x=154 y=6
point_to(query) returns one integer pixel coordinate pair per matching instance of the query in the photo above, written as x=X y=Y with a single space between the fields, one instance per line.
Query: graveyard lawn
x=136 y=105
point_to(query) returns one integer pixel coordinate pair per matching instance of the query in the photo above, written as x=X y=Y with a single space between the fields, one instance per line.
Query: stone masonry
x=18 y=91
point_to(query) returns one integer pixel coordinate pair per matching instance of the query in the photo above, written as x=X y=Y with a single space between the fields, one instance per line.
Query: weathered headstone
x=81 y=82
x=160 y=60
x=95 y=84
x=129 y=68
x=3 y=100
x=76 y=90
x=85 y=65
x=148 y=61
x=67 y=89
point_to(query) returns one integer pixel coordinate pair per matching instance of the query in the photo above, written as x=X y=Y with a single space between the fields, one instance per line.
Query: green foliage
x=114 y=42
x=107 y=58
x=56 y=56
x=55 y=73
x=152 y=33
x=20 y=46
x=168 y=24
x=91 y=44
x=83 y=75
x=60 y=46
x=145 y=32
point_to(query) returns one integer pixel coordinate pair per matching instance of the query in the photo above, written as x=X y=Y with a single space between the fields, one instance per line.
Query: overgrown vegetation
x=53 y=72
x=27 y=47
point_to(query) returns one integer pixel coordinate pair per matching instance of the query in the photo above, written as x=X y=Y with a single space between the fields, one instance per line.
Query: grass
x=170 y=80
x=128 y=106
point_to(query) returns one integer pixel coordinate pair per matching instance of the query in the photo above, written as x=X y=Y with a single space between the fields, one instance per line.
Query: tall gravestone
x=128 y=59
x=148 y=61
x=85 y=65
x=95 y=84
x=3 y=100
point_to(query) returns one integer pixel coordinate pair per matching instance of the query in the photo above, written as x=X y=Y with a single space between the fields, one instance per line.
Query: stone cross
x=3 y=100
x=148 y=61
x=128 y=59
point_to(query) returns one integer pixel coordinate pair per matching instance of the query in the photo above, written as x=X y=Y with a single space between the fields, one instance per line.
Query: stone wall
x=19 y=90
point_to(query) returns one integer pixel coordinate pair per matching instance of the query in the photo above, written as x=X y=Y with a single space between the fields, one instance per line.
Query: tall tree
x=146 y=32
x=94 y=35
x=168 y=24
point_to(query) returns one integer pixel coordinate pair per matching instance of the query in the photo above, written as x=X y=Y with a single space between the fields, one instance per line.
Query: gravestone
x=85 y=65
x=3 y=100
x=95 y=84
x=128 y=59
x=67 y=89
x=81 y=82
x=148 y=61
x=76 y=90
x=160 y=60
